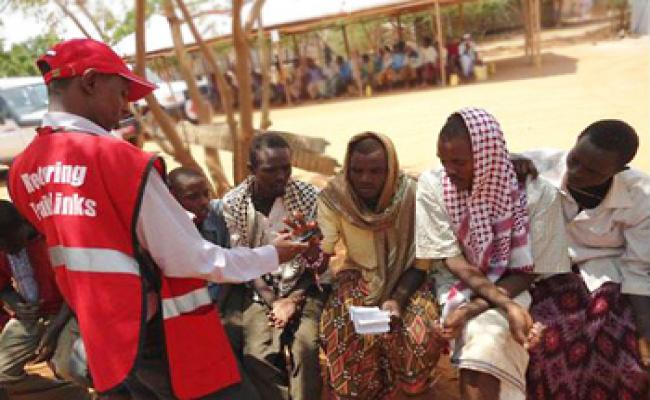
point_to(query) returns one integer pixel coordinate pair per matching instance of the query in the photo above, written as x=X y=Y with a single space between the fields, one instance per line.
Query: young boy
x=190 y=188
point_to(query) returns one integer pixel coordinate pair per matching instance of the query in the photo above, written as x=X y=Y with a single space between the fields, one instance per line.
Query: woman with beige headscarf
x=369 y=209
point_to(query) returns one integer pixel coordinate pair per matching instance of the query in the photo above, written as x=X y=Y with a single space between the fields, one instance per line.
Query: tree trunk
x=72 y=17
x=243 y=71
x=184 y=66
x=181 y=154
x=265 y=121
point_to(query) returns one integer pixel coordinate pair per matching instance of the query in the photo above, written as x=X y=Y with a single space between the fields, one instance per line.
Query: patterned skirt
x=590 y=346
x=378 y=366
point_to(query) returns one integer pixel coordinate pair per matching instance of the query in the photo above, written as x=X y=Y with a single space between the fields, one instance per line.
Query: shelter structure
x=291 y=17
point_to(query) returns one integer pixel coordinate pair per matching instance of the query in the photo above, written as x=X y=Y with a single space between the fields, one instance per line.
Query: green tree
x=19 y=59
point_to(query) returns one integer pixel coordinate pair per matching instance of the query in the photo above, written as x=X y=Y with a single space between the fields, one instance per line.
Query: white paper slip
x=369 y=320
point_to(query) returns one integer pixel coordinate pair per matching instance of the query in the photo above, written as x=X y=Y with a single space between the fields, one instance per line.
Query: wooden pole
x=525 y=16
x=203 y=108
x=296 y=48
x=212 y=158
x=181 y=154
x=443 y=72
x=346 y=41
x=281 y=73
x=538 y=33
x=400 y=34
x=532 y=31
x=242 y=69
x=225 y=94
x=265 y=61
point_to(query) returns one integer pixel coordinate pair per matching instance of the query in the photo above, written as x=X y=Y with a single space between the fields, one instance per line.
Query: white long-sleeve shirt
x=610 y=242
x=165 y=231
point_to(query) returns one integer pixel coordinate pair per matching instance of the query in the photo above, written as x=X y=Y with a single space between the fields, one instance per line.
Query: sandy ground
x=545 y=107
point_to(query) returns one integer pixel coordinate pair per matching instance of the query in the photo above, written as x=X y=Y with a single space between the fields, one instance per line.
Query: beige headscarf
x=392 y=221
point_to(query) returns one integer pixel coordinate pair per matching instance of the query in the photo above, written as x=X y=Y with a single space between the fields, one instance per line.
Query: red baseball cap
x=74 y=57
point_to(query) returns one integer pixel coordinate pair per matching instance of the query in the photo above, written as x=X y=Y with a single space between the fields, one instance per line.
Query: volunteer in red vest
x=127 y=259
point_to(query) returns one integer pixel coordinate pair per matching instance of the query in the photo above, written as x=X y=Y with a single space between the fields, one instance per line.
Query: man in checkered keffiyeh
x=287 y=303
x=490 y=217
x=487 y=228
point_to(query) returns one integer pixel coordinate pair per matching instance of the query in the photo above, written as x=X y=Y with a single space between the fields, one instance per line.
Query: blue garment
x=214 y=229
x=345 y=71
x=397 y=61
x=379 y=62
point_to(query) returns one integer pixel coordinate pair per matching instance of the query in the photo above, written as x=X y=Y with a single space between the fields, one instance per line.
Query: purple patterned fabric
x=589 y=350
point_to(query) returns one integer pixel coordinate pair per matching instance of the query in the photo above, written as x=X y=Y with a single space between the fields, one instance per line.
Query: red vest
x=83 y=192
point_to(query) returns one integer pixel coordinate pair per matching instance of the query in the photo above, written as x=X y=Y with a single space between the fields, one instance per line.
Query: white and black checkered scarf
x=299 y=196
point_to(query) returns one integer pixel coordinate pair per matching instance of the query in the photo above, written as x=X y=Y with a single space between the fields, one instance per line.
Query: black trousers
x=151 y=380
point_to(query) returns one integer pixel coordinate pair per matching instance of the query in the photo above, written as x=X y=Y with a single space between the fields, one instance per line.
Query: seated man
x=429 y=55
x=468 y=56
x=39 y=313
x=496 y=237
x=607 y=211
x=369 y=209
x=344 y=76
x=398 y=70
x=280 y=310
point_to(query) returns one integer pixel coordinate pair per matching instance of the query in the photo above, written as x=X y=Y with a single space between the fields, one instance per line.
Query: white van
x=23 y=102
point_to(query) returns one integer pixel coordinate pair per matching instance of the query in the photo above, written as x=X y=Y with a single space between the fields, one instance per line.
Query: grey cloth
x=69 y=361
x=18 y=342
x=23 y=274
x=264 y=361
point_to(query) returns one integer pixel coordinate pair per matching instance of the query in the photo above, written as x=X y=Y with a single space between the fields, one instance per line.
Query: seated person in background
x=451 y=46
x=316 y=80
x=429 y=56
x=414 y=64
x=496 y=237
x=344 y=76
x=367 y=71
x=281 y=310
x=398 y=67
x=39 y=313
x=369 y=209
x=467 y=55
x=330 y=73
x=607 y=211
x=382 y=68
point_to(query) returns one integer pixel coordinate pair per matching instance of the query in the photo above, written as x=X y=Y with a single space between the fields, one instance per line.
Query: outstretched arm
x=177 y=247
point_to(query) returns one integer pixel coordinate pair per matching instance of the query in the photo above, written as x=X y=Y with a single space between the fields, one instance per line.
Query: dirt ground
x=537 y=108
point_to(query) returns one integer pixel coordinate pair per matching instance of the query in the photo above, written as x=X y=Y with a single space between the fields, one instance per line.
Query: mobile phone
x=305 y=236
